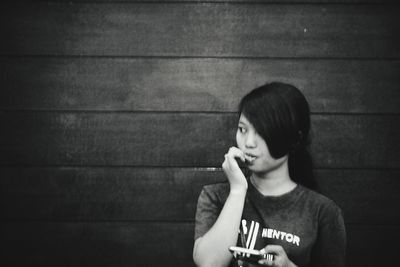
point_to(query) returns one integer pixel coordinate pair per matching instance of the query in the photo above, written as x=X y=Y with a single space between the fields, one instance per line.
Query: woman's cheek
x=239 y=141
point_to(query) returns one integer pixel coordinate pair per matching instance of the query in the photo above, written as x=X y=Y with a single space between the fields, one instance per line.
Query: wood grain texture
x=97 y=244
x=148 y=244
x=366 y=243
x=201 y=29
x=169 y=194
x=114 y=114
x=172 y=84
x=235 y=1
x=138 y=194
x=180 y=139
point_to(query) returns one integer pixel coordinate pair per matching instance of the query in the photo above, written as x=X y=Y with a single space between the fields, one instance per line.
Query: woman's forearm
x=212 y=248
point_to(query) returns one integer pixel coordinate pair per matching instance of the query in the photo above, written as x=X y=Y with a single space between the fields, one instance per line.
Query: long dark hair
x=280 y=114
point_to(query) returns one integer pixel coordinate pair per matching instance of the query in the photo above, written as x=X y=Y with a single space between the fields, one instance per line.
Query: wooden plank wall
x=113 y=114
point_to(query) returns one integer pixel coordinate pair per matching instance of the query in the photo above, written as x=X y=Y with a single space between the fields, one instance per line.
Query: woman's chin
x=253 y=168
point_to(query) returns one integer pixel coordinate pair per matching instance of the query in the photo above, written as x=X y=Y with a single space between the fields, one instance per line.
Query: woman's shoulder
x=217 y=191
x=328 y=213
x=217 y=188
x=320 y=201
x=325 y=206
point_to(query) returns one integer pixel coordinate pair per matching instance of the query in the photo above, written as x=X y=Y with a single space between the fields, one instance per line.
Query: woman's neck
x=273 y=183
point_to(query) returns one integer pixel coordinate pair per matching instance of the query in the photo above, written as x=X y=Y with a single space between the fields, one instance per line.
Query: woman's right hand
x=236 y=178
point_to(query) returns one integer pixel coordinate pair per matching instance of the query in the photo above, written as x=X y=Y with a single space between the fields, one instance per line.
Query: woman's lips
x=249 y=157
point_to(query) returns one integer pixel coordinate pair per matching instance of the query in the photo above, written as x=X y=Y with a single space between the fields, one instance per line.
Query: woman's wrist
x=238 y=190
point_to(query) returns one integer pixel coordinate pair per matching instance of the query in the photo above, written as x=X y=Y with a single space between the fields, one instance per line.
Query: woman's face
x=258 y=157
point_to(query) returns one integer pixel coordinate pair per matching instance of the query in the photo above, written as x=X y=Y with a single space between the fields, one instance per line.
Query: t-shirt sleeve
x=207 y=212
x=330 y=248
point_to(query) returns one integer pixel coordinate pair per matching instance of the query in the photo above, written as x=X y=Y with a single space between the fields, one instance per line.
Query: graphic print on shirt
x=250 y=233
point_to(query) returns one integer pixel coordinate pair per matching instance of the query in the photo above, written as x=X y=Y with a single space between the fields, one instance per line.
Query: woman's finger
x=278 y=258
x=273 y=249
x=235 y=152
x=266 y=262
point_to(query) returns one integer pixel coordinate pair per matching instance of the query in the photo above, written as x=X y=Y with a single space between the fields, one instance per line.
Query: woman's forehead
x=244 y=120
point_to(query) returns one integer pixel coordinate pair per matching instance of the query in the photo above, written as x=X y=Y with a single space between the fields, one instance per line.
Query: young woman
x=272 y=209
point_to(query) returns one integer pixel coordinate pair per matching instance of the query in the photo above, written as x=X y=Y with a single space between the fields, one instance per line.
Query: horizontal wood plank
x=97 y=244
x=127 y=244
x=235 y=1
x=366 y=243
x=201 y=29
x=180 y=139
x=149 y=84
x=112 y=194
x=365 y=196
x=143 y=194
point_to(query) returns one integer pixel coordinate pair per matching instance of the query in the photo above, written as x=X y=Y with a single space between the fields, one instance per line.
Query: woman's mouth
x=249 y=158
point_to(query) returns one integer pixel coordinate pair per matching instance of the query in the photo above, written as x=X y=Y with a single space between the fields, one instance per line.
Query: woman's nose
x=250 y=140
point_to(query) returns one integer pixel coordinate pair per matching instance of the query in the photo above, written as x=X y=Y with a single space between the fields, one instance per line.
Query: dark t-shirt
x=308 y=225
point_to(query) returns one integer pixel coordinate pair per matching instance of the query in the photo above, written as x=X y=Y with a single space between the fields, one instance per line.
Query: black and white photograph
x=189 y=133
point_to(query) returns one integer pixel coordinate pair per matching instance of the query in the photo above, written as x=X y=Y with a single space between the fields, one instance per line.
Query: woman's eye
x=241 y=129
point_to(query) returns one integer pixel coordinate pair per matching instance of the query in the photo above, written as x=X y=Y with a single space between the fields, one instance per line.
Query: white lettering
x=244 y=226
x=254 y=238
x=296 y=240
x=253 y=231
x=275 y=234
x=269 y=233
x=289 y=238
x=250 y=234
x=264 y=233
x=283 y=234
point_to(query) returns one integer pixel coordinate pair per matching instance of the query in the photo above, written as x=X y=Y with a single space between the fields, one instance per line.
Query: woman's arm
x=330 y=248
x=212 y=248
